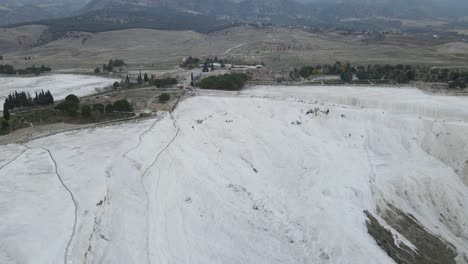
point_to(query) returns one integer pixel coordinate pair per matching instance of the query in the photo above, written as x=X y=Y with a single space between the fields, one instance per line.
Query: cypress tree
x=36 y=100
x=50 y=98
x=6 y=112
x=140 y=79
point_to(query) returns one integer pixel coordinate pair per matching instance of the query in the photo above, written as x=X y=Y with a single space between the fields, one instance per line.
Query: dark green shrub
x=98 y=108
x=122 y=106
x=346 y=76
x=160 y=83
x=164 y=97
x=109 y=108
x=86 y=111
x=72 y=98
x=229 y=82
x=306 y=71
x=5 y=124
x=69 y=107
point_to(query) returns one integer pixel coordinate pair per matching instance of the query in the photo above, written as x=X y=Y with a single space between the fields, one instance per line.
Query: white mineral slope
x=402 y=100
x=233 y=179
x=445 y=117
x=60 y=85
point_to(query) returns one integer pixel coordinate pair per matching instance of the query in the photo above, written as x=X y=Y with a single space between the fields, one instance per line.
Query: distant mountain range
x=17 y=11
x=280 y=11
x=206 y=15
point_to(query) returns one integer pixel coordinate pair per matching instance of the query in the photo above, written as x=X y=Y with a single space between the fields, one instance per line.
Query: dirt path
x=235 y=47
x=27 y=134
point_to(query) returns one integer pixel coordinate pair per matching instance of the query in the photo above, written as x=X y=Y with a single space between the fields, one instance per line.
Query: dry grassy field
x=280 y=48
x=12 y=39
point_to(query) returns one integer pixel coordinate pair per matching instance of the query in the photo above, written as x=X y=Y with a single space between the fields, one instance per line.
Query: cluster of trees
x=144 y=78
x=9 y=69
x=454 y=77
x=230 y=82
x=165 y=82
x=43 y=98
x=190 y=63
x=71 y=106
x=117 y=63
x=109 y=67
x=397 y=73
x=209 y=64
x=337 y=68
x=97 y=110
x=23 y=99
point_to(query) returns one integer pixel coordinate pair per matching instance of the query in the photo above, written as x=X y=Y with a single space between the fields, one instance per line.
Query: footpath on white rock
x=269 y=175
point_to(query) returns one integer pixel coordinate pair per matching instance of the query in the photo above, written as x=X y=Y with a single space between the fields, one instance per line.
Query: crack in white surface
x=67 y=248
x=15 y=158
x=140 y=140
x=157 y=181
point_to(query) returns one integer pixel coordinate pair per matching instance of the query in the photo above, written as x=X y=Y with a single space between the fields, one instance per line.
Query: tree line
x=109 y=67
x=398 y=73
x=10 y=70
x=190 y=62
x=455 y=78
x=24 y=99
x=71 y=106
x=208 y=64
x=230 y=82
x=144 y=78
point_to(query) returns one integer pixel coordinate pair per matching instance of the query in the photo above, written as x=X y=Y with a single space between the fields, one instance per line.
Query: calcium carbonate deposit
x=270 y=175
